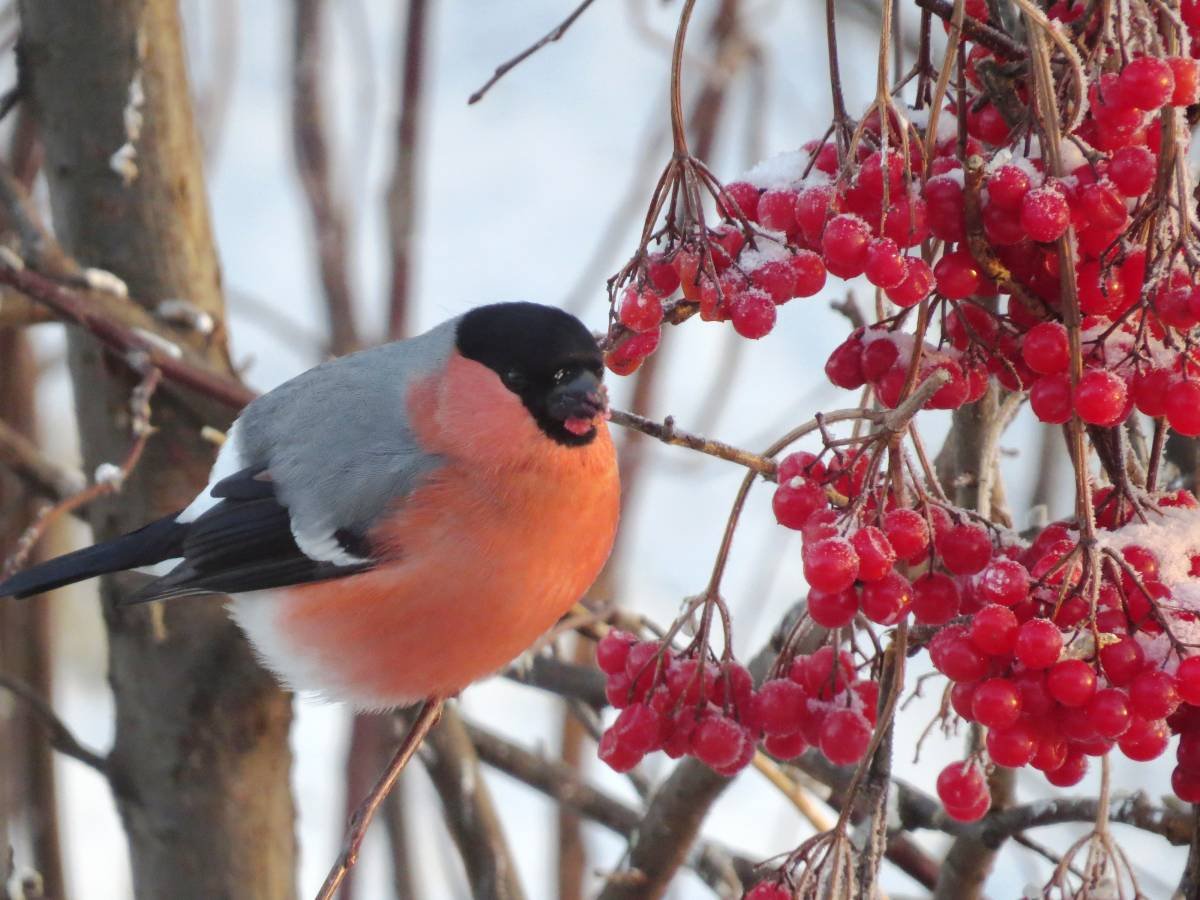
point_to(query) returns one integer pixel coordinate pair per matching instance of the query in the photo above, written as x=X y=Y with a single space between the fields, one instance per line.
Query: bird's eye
x=560 y=376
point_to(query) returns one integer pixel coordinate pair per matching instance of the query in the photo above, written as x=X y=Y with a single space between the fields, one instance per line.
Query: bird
x=395 y=524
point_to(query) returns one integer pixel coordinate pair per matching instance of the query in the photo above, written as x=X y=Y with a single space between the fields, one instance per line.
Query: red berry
x=1122 y=660
x=1013 y=746
x=1187 y=680
x=844 y=737
x=1045 y=348
x=612 y=651
x=1004 y=581
x=946 y=208
x=878 y=357
x=753 y=313
x=1132 y=170
x=776 y=278
x=960 y=784
x=1039 y=643
x=1100 y=207
x=833 y=610
x=844 y=245
x=953 y=654
x=1145 y=739
x=907 y=222
x=1100 y=398
x=996 y=704
x=808 y=271
x=779 y=706
x=1071 y=682
x=965 y=549
x=616 y=754
x=957 y=274
x=813 y=208
x=640 y=310
x=1187 y=80
x=639 y=728
x=717 y=741
x=935 y=599
x=917 y=284
x=1071 y=772
x=1109 y=712
x=830 y=564
x=1045 y=214
x=739 y=197
x=844 y=366
x=994 y=630
x=1149 y=391
x=777 y=210
x=1050 y=399
x=662 y=275
x=769 y=890
x=885 y=266
x=1183 y=406
x=907 y=532
x=887 y=600
x=1152 y=695
x=875 y=554
x=1186 y=784
x=1145 y=83
x=786 y=747
x=796 y=500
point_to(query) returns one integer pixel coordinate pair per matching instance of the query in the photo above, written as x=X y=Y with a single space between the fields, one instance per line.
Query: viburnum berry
x=833 y=610
x=918 y=282
x=875 y=554
x=753 y=313
x=776 y=278
x=1122 y=660
x=885 y=266
x=996 y=703
x=1100 y=397
x=779 y=706
x=1045 y=214
x=886 y=600
x=878 y=357
x=1132 y=170
x=1045 y=348
x=1186 y=73
x=617 y=755
x=1187 y=680
x=1109 y=712
x=946 y=207
x=1050 y=399
x=844 y=245
x=1039 y=643
x=961 y=787
x=1013 y=746
x=1145 y=83
x=844 y=736
x=1183 y=406
x=907 y=532
x=957 y=275
x=1071 y=682
x=768 y=890
x=808 y=271
x=786 y=746
x=935 y=599
x=662 y=275
x=1152 y=694
x=640 y=310
x=994 y=630
x=744 y=199
x=831 y=564
x=1100 y=206
x=1007 y=187
x=812 y=209
x=717 y=741
x=777 y=210
x=1004 y=581
x=795 y=501
x=639 y=728
x=953 y=654
x=1149 y=391
x=1144 y=739
x=965 y=549
x=612 y=650
x=1071 y=772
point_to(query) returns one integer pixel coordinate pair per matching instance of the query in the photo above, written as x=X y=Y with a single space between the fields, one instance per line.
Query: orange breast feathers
x=494 y=547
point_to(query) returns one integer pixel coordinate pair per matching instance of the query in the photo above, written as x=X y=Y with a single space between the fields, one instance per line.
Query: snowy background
x=515 y=195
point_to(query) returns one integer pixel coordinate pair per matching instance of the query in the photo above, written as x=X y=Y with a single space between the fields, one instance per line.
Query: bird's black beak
x=576 y=403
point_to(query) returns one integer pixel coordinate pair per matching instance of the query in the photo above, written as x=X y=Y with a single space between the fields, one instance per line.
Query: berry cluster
x=671 y=702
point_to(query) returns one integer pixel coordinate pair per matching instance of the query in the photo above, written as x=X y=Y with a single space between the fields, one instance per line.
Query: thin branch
x=44 y=476
x=985 y=35
x=61 y=738
x=548 y=673
x=356 y=831
x=549 y=38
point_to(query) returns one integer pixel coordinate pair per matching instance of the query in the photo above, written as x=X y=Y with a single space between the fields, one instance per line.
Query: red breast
x=484 y=557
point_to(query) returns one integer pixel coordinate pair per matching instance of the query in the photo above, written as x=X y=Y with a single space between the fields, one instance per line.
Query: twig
x=669 y=434
x=549 y=38
x=453 y=766
x=547 y=673
x=402 y=189
x=996 y=41
x=356 y=831
x=61 y=738
x=42 y=474
x=312 y=150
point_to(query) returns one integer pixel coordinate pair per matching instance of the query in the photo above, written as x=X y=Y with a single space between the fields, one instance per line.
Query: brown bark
x=200 y=761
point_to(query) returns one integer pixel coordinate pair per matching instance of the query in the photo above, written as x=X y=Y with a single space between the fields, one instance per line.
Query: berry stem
x=678 y=133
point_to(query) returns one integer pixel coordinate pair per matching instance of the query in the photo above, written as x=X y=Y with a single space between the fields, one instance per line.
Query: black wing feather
x=244 y=543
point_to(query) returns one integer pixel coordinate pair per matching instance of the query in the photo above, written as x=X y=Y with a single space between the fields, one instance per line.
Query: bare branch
x=39 y=472
x=61 y=738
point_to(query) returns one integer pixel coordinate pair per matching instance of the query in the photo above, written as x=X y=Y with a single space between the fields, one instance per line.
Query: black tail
x=161 y=539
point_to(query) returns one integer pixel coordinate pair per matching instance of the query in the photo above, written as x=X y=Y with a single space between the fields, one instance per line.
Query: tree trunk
x=200 y=761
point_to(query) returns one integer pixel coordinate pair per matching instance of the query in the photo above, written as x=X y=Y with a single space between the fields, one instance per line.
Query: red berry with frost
x=994 y=630
x=1004 y=581
x=878 y=357
x=953 y=654
x=1187 y=680
x=786 y=747
x=1132 y=170
x=777 y=278
x=717 y=741
x=639 y=728
x=779 y=706
x=1007 y=187
x=844 y=245
x=1045 y=214
x=752 y=313
x=1101 y=398
x=796 y=500
x=965 y=549
x=1152 y=694
x=957 y=274
x=935 y=599
x=1149 y=391
x=831 y=564
x=1071 y=682
x=885 y=265
x=996 y=703
x=917 y=284
x=768 y=890
x=662 y=275
x=887 y=600
x=739 y=197
x=1122 y=661
x=616 y=754
x=907 y=532
x=1109 y=712
x=1050 y=399
x=812 y=210
x=1186 y=73
x=844 y=366
x=1146 y=83
x=808 y=271
x=1045 y=348
x=945 y=207
x=640 y=310
x=844 y=737
x=833 y=610
x=1099 y=206
x=875 y=554
x=777 y=210
x=1183 y=406
x=612 y=651
x=1039 y=644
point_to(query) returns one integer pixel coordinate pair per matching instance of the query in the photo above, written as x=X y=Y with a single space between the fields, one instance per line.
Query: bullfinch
x=397 y=523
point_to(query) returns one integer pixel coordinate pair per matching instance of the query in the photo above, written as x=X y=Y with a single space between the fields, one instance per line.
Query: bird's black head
x=547 y=358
